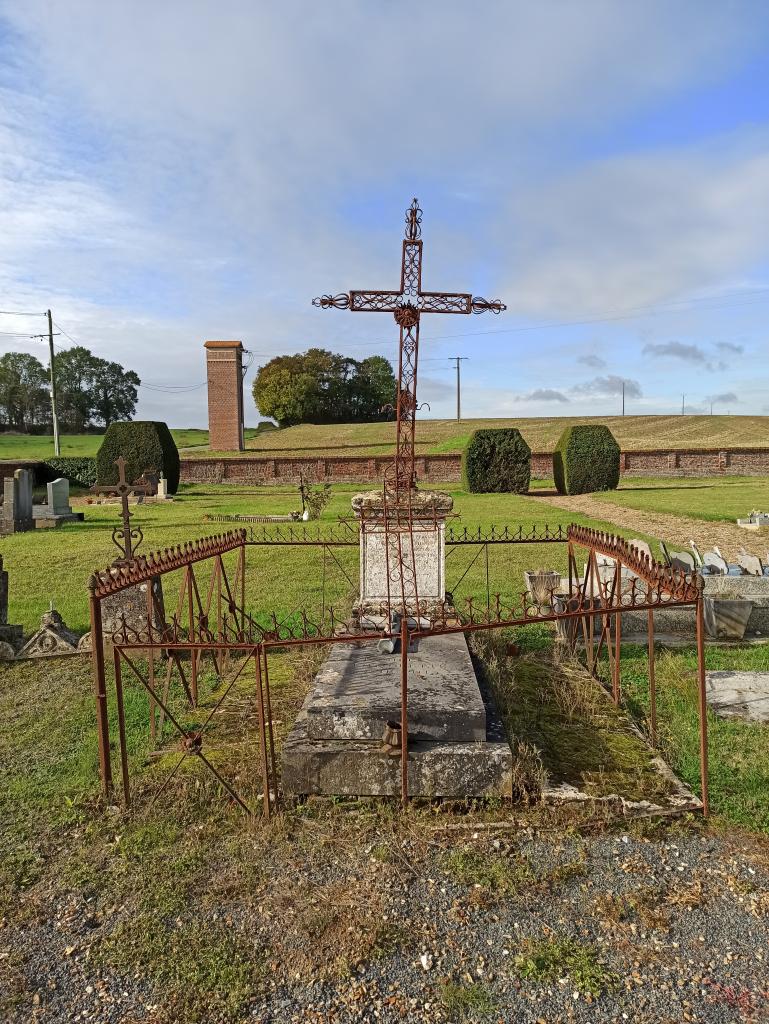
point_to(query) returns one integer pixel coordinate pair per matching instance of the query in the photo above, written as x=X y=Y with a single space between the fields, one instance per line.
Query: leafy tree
x=93 y=390
x=114 y=392
x=73 y=378
x=318 y=386
x=24 y=397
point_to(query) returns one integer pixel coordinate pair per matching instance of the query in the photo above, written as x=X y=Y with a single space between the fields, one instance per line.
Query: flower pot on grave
x=571 y=629
x=541 y=585
x=726 y=618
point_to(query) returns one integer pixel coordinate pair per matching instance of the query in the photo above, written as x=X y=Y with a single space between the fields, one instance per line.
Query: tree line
x=90 y=392
x=318 y=386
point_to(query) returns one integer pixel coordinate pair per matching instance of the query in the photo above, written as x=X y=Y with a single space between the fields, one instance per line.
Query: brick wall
x=224 y=366
x=9 y=466
x=447 y=468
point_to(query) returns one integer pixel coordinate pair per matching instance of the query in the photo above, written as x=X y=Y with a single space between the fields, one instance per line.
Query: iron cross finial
x=414 y=220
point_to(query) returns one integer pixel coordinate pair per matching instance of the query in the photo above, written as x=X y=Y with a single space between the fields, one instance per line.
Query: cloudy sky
x=175 y=171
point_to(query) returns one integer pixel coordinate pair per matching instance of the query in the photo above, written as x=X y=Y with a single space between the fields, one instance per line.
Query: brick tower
x=224 y=365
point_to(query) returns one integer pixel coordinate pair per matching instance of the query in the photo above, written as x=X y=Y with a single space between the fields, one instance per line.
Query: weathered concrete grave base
x=739 y=694
x=457 y=747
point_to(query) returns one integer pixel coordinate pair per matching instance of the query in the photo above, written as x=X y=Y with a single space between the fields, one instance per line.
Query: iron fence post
x=100 y=692
x=703 y=706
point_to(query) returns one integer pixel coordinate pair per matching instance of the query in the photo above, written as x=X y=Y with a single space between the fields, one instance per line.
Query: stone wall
x=683 y=462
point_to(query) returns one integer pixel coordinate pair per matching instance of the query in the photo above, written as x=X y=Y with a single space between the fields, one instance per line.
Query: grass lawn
x=541 y=433
x=710 y=498
x=54 y=565
x=28 y=446
x=208 y=907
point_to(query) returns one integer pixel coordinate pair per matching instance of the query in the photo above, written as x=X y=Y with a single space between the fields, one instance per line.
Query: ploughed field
x=437 y=436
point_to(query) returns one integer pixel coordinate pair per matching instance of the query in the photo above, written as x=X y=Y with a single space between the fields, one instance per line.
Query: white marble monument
x=422 y=550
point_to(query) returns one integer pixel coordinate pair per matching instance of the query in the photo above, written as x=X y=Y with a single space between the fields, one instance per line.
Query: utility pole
x=56 y=442
x=683 y=405
x=623 y=398
x=458 y=360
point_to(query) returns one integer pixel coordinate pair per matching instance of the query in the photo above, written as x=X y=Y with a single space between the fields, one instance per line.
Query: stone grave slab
x=357 y=691
x=457 y=746
x=739 y=694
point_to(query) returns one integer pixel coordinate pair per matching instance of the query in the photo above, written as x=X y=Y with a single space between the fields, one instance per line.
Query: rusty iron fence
x=200 y=616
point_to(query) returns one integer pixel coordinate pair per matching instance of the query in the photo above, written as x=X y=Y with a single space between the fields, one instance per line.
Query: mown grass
x=54 y=565
x=40 y=446
x=739 y=751
x=710 y=498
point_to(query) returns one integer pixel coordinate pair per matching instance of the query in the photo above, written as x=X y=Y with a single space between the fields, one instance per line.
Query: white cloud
x=171 y=172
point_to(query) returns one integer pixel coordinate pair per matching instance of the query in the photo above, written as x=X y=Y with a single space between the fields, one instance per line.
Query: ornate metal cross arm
x=407 y=305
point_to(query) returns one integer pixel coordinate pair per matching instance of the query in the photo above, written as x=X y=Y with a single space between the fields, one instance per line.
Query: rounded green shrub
x=586 y=459
x=497 y=461
x=145 y=445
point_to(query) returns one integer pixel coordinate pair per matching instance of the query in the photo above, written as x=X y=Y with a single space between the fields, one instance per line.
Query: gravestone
x=422 y=550
x=57 y=510
x=51 y=639
x=715 y=564
x=642 y=548
x=13 y=635
x=456 y=745
x=751 y=564
x=17 y=502
x=339 y=744
x=162 y=491
x=58 y=496
x=742 y=695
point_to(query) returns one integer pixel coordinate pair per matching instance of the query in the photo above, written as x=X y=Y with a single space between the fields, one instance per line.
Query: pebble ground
x=677 y=924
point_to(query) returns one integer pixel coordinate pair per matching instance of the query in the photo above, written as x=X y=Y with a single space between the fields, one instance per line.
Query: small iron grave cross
x=125 y=538
x=407 y=305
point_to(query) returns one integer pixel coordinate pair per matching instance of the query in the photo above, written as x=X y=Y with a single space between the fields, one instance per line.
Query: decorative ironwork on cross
x=407 y=306
x=125 y=537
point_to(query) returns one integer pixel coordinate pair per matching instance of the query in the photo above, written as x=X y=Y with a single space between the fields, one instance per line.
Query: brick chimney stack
x=224 y=365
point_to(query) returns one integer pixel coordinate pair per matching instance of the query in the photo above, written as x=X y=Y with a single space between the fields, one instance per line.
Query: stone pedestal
x=415 y=534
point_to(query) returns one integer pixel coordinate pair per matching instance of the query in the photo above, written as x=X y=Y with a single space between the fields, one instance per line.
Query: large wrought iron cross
x=407 y=305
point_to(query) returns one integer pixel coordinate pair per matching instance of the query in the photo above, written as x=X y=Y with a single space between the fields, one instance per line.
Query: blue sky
x=176 y=172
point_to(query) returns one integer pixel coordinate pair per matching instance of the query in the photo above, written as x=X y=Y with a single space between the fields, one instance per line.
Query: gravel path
x=677 y=926
x=677 y=530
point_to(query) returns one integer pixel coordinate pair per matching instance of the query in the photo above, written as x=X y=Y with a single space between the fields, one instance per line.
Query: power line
x=19 y=312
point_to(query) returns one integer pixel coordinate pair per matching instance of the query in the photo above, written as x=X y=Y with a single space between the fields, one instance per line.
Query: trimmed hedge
x=586 y=459
x=145 y=445
x=78 y=469
x=496 y=461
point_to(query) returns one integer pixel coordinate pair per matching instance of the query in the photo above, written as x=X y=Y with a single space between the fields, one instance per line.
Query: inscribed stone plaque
x=423 y=550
